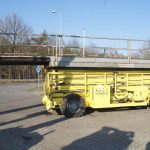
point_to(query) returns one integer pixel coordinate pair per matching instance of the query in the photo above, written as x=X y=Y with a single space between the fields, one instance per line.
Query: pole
x=38 y=80
x=60 y=22
x=56 y=54
x=83 y=42
x=129 y=51
x=60 y=31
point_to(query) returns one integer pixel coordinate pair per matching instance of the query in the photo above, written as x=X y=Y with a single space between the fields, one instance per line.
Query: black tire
x=73 y=106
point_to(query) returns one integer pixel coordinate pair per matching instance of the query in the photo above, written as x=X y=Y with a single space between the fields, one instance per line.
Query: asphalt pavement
x=24 y=124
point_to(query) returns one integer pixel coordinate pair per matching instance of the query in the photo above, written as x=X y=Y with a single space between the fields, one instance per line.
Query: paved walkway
x=24 y=125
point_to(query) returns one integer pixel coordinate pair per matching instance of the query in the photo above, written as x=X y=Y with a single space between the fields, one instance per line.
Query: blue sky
x=104 y=18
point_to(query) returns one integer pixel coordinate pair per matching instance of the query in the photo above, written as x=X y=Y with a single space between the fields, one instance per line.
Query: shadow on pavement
x=19 y=138
x=147 y=146
x=106 y=139
x=90 y=111
x=24 y=118
x=19 y=109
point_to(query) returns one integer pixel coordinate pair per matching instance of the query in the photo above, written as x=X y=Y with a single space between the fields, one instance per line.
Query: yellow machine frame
x=98 y=88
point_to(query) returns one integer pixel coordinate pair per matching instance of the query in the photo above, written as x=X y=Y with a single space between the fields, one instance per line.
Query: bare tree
x=91 y=50
x=144 y=53
x=45 y=42
x=14 y=31
x=42 y=39
x=72 y=47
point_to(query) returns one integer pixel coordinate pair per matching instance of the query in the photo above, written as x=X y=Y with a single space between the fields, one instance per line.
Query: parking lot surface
x=24 y=125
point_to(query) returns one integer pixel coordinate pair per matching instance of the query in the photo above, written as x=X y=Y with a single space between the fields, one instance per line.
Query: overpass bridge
x=65 y=61
x=126 y=54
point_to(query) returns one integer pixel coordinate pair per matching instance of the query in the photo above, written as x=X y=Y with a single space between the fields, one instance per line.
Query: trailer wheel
x=73 y=105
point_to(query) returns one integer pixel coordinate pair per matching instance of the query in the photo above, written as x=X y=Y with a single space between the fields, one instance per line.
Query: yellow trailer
x=115 y=73
x=72 y=89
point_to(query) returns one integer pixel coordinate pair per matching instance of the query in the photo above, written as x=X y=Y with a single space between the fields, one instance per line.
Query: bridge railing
x=81 y=46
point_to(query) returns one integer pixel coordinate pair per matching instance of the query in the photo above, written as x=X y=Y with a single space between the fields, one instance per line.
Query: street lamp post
x=60 y=29
x=60 y=20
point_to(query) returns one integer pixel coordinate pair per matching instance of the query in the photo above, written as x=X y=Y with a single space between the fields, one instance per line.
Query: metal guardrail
x=83 y=50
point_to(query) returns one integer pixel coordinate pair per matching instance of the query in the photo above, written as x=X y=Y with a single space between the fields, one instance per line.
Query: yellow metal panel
x=100 y=95
x=121 y=84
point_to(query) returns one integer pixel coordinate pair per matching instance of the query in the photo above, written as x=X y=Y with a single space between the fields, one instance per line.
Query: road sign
x=38 y=69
